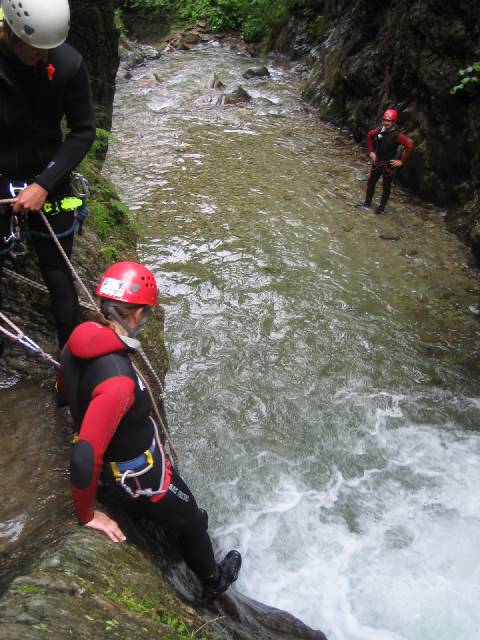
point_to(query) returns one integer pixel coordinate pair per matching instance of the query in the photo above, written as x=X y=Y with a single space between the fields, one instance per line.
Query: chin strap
x=108 y=309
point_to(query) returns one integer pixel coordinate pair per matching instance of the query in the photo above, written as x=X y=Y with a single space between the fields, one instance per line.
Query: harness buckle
x=15 y=189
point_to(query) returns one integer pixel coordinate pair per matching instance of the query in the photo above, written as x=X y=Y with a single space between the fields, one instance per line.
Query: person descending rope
x=42 y=79
x=118 y=441
x=383 y=143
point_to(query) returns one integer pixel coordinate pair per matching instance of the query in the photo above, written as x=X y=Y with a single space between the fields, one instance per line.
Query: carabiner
x=79 y=185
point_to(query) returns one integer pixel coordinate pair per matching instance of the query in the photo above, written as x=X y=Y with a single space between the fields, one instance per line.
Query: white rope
x=67 y=260
x=25 y=341
x=158 y=416
x=41 y=287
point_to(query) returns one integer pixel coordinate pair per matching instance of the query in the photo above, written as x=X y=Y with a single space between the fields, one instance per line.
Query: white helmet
x=43 y=24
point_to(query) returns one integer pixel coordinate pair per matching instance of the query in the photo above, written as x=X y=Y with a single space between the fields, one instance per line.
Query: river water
x=322 y=391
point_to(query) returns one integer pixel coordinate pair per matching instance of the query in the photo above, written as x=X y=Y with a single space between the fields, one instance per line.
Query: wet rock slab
x=85 y=587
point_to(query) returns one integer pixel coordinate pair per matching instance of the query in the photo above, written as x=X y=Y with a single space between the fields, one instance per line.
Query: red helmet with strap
x=390 y=115
x=128 y=282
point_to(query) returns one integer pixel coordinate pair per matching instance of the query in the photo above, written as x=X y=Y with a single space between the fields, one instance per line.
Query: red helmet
x=129 y=282
x=390 y=115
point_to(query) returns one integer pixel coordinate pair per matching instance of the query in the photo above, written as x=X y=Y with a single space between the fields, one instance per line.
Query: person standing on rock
x=42 y=80
x=118 y=441
x=383 y=143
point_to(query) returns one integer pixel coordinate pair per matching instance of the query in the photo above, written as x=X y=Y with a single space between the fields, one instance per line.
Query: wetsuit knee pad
x=81 y=465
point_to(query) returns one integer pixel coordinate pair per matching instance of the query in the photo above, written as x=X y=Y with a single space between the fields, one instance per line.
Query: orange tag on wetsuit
x=50 y=71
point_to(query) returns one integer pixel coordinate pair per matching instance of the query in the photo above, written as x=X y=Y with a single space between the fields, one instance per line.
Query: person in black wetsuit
x=118 y=441
x=383 y=143
x=41 y=81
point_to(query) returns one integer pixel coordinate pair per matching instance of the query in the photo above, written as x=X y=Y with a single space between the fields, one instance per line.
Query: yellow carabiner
x=115 y=470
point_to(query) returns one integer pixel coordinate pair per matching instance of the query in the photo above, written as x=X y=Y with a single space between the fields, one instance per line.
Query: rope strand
x=25 y=341
x=67 y=259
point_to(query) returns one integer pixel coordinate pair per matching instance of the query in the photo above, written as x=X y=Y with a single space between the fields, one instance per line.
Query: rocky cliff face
x=94 y=34
x=368 y=55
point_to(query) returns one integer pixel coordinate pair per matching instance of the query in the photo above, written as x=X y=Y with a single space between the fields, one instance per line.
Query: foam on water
x=390 y=554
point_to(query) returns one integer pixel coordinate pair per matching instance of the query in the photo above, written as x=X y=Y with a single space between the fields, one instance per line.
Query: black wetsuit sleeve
x=80 y=116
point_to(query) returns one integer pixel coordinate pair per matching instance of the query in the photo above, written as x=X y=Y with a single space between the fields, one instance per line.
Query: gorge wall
x=368 y=55
x=94 y=34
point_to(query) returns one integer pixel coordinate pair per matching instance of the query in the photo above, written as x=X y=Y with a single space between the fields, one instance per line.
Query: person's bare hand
x=373 y=156
x=106 y=525
x=395 y=163
x=32 y=198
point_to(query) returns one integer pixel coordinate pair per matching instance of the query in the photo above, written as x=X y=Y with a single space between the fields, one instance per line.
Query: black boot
x=228 y=570
x=379 y=210
x=364 y=205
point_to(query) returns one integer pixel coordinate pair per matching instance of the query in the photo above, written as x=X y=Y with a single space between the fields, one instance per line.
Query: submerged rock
x=214 y=82
x=256 y=72
x=133 y=53
x=236 y=96
x=388 y=236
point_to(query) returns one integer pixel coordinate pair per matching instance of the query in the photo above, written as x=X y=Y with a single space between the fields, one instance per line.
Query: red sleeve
x=407 y=145
x=111 y=399
x=370 y=145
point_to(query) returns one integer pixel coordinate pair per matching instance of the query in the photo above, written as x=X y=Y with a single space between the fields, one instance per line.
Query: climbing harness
x=17 y=336
x=133 y=469
x=19 y=229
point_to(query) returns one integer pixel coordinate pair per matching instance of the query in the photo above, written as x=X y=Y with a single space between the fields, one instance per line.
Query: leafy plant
x=100 y=144
x=469 y=75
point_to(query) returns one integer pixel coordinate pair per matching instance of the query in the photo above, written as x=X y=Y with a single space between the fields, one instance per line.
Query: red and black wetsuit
x=385 y=142
x=111 y=410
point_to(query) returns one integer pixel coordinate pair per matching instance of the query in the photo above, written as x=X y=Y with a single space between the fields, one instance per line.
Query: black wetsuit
x=33 y=101
x=111 y=410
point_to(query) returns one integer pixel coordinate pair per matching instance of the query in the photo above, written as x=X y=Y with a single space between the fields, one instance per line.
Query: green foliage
x=149 y=9
x=120 y=22
x=148 y=608
x=470 y=75
x=255 y=19
x=29 y=588
x=108 y=215
x=100 y=145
